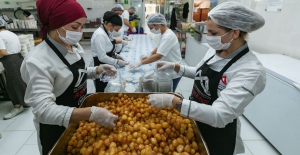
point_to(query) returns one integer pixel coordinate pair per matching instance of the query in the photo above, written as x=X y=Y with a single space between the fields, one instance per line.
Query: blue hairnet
x=156 y=19
x=117 y=7
x=236 y=16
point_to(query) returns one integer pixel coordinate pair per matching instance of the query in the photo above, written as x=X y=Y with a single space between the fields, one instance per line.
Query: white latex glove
x=120 y=57
x=160 y=100
x=124 y=42
x=143 y=57
x=127 y=38
x=107 y=69
x=163 y=65
x=103 y=117
x=135 y=65
x=133 y=30
x=122 y=63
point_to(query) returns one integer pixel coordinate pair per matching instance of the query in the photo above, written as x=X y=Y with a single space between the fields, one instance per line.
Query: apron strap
x=113 y=41
x=233 y=60
x=58 y=53
x=206 y=62
x=209 y=59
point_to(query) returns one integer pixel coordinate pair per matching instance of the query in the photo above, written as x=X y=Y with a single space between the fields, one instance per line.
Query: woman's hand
x=124 y=42
x=142 y=57
x=160 y=100
x=122 y=63
x=163 y=65
x=120 y=57
x=102 y=117
x=135 y=65
x=127 y=38
x=107 y=69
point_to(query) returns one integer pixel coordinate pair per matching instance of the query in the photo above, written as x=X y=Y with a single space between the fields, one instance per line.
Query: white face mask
x=155 y=31
x=216 y=43
x=71 y=38
x=114 y=33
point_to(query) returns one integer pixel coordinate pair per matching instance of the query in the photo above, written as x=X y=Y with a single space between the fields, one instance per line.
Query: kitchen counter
x=140 y=45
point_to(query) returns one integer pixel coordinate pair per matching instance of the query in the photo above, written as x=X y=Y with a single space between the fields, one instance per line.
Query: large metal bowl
x=60 y=148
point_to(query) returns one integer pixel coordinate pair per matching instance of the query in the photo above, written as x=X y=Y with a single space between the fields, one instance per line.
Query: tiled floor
x=19 y=134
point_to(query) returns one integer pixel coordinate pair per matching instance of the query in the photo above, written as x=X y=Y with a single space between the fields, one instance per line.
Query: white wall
x=281 y=33
x=96 y=11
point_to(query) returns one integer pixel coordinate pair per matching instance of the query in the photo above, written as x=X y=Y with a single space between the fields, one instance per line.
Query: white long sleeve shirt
x=47 y=77
x=101 y=44
x=245 y=79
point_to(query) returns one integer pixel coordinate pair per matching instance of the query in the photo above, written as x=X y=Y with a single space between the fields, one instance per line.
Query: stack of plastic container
x=24 y=44
x=23 y=24
x=31 y=42
x=30 y=24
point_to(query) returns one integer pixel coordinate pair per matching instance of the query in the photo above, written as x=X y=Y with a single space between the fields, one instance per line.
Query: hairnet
x=236 y=16
x=2 y=23
x=117 y=7
x=112 y=18
x=133 y=9
x=54 y=14
x=156 y=19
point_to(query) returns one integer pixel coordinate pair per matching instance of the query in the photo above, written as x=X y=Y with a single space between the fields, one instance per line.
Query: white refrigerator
x=276 y=111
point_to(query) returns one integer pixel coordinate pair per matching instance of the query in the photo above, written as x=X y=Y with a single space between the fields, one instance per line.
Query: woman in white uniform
x=55 y=74
x=118 y=9
x=28 y=15
x=168 y=48
x=104 y=45
x=226 y=80
x=12 y=59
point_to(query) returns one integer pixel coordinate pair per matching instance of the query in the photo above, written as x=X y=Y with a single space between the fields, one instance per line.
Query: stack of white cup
x=24 y=44
x=31 y=41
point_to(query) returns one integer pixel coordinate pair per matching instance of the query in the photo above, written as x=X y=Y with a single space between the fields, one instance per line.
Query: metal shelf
x=18 y=30
x=29 y=9
x=10 y=10
x=13 y=10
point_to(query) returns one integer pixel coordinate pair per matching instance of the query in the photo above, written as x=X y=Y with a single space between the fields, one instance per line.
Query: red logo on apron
x=224 y=80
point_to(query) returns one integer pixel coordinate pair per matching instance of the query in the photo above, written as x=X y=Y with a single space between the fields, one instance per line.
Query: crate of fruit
x=140 y=130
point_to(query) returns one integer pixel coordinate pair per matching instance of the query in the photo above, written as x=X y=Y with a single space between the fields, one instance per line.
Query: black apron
x=220 y=141
x=72 y=97
x=100 y=86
